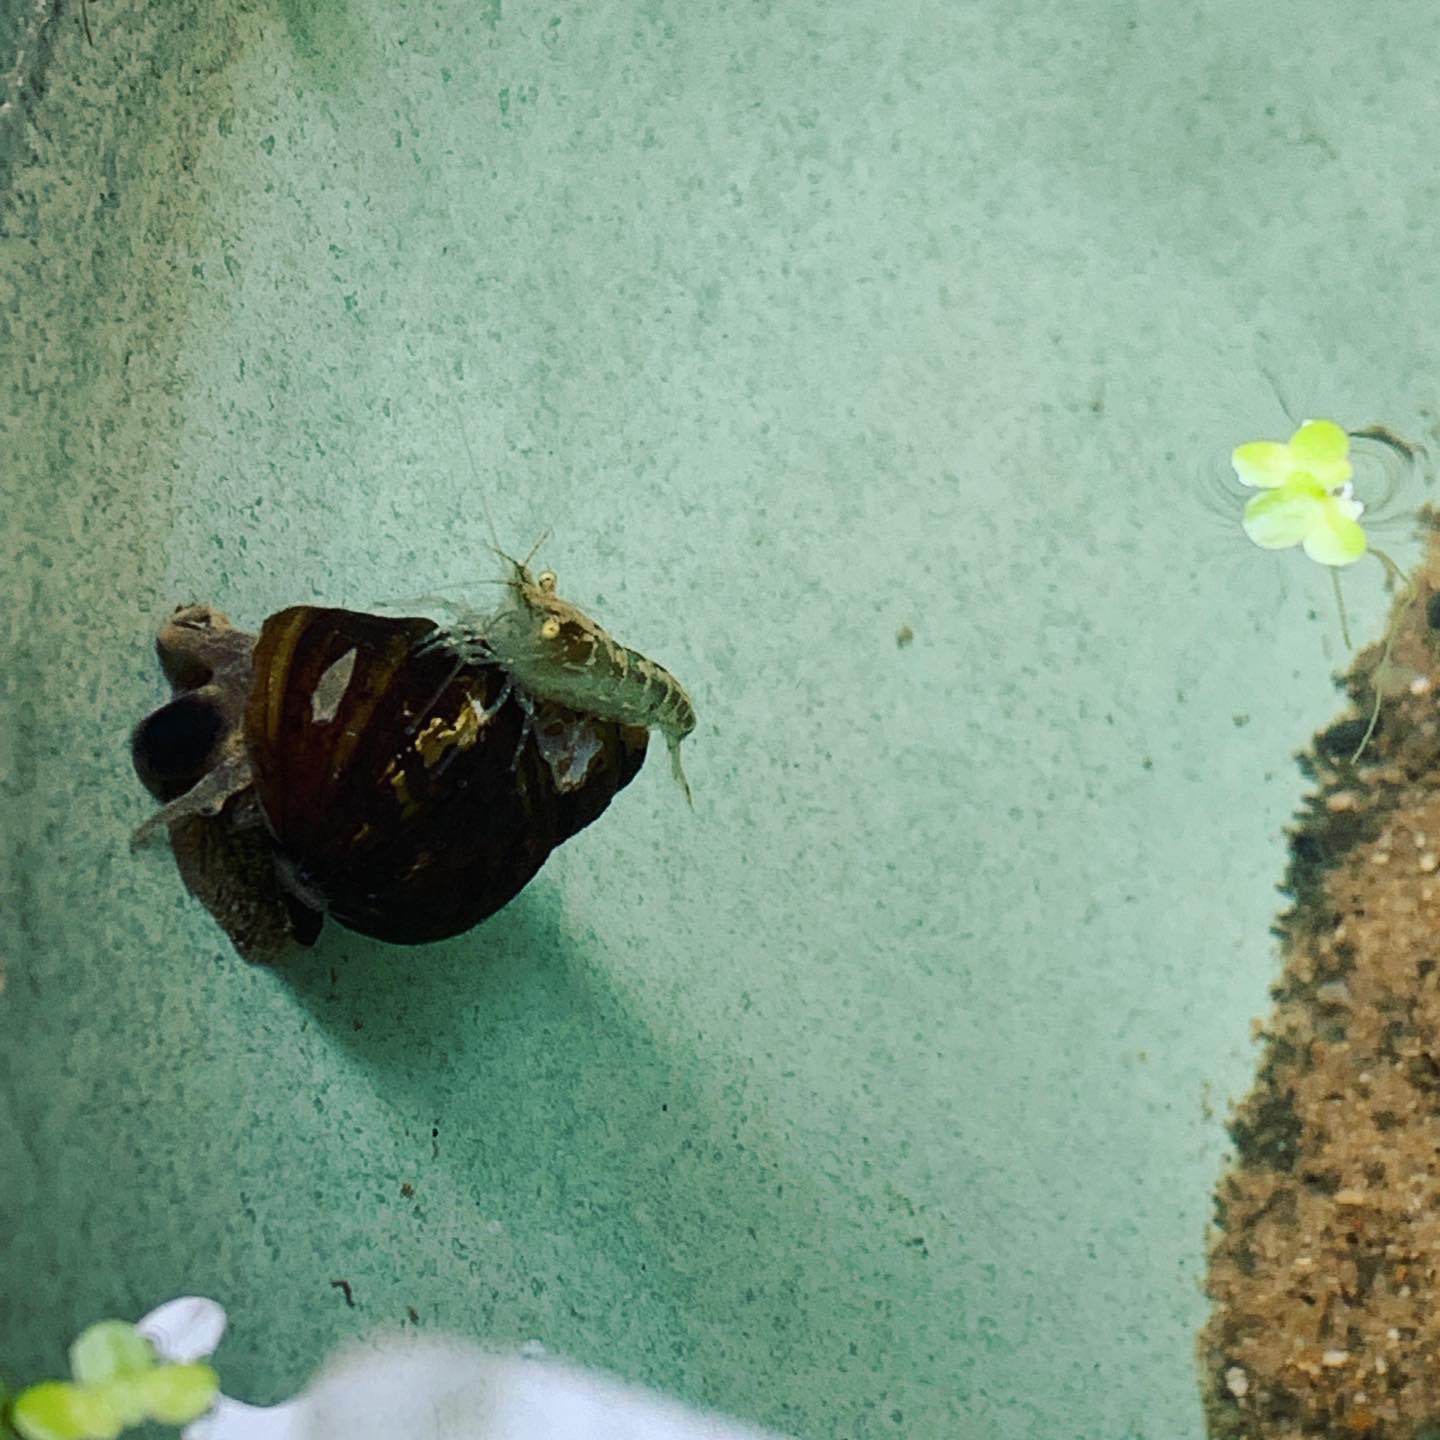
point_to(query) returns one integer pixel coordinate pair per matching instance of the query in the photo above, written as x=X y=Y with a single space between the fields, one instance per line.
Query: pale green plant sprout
x=1306 y=498
x=117 y=1380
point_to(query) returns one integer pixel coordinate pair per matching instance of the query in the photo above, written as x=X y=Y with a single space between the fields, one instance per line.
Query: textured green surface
x=873 y=1097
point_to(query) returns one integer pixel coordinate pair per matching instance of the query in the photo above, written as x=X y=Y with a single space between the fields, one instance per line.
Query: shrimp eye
x=550 y=628
x=546 y=581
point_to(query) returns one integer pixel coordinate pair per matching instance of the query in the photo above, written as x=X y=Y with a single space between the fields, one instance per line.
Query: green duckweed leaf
x=108 y=1350
x=58 y=1410
x=178 y=1394
x=1319 y=448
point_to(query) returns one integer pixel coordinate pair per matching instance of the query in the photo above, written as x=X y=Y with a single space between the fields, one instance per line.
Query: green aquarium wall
x=875 y=368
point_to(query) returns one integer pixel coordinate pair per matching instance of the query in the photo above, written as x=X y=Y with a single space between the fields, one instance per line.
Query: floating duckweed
x=117 y=1382
x=1307 y=498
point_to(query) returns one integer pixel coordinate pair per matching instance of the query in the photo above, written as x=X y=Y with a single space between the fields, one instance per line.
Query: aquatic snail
x=339 y=764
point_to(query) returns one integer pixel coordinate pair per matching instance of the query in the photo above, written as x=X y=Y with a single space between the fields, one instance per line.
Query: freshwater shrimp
x=556 y=652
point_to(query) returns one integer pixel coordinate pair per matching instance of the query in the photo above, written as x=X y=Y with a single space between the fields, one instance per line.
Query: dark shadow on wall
x=89 y=157
x=596 y=1138
x=322 y=37
x=27 y=39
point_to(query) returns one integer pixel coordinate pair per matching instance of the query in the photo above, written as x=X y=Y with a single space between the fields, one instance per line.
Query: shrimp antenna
x=524 y=564
x=475 y=471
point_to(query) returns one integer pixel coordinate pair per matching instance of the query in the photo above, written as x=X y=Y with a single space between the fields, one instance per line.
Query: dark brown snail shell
x=336 y=765
x=401 y=808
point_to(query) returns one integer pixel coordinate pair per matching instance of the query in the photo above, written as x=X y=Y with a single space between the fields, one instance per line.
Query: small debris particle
x=413 y=1313
x=903 y=637
x=344 y=1285
x=1240 y=720
x=1237 y=1382
x=407 y=1190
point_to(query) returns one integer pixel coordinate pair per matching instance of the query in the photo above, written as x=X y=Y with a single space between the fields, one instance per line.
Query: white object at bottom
x=423 y=1388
